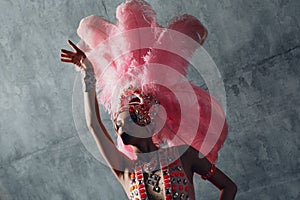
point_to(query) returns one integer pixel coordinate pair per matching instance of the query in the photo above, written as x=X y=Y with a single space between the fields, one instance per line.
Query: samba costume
x=131 y=75
x=173 y=180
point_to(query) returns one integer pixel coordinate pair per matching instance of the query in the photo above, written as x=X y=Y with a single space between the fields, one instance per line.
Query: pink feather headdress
x=122 y=57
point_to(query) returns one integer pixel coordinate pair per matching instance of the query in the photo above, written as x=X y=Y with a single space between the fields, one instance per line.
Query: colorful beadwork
x=138 y=104
x=175 y=183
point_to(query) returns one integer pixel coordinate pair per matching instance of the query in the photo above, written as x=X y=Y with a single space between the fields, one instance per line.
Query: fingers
x=67 y=52
x=66 y=60
x=72 y=57
x=74 y=46
x=78 y=51
x=65 y=56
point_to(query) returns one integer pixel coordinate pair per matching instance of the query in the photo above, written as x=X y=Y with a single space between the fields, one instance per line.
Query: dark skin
x=192 y=163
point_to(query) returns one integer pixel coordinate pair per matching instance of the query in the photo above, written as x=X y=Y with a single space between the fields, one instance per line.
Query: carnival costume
x=128 y=77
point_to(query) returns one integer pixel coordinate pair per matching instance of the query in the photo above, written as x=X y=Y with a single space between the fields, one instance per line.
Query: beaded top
x=169 y=181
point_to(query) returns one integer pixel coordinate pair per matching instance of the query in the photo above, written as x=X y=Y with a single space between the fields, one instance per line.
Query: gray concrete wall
x=254 y=43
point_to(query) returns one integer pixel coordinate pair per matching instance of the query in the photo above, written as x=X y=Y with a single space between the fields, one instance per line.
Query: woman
x=145 y=170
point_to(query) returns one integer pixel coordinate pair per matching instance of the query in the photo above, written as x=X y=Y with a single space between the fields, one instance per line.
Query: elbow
x=90 y=123
x=232 y=188
x=90 y=126
x=93 y=127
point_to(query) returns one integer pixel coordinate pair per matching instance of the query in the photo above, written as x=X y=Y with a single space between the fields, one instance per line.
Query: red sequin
x=166 y=176
x=186 y=188
x=140 y=176
x=143 y=195
x=142 y=190
x=174 y=187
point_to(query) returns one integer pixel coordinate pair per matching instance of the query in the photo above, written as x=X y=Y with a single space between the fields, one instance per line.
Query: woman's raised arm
x=117 y=160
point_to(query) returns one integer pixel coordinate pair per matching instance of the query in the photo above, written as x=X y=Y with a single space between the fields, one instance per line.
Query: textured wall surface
x=255 y=44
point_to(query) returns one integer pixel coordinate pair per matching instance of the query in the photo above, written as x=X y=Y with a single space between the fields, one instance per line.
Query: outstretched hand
x=77 y=57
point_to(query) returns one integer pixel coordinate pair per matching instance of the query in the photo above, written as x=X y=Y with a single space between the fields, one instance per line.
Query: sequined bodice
x=168 y=182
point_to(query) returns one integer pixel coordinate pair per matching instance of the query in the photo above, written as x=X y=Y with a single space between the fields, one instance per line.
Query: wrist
x=87 y=65
x=88 y=76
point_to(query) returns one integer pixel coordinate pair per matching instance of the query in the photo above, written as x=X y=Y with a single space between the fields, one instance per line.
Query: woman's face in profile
x=128 y=129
